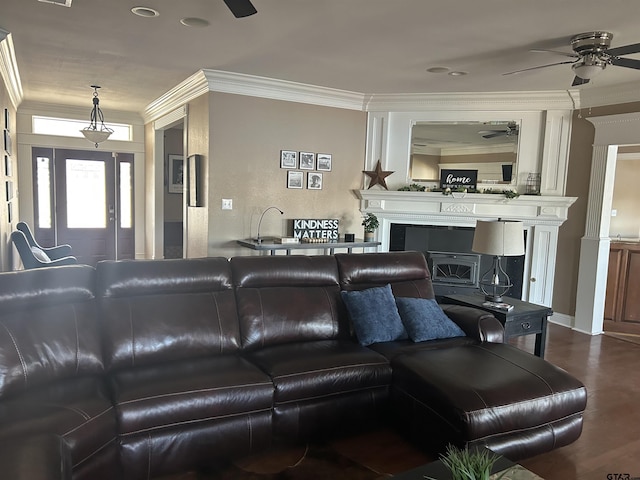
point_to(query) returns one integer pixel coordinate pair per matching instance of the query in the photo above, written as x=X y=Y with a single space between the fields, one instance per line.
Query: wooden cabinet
x=622 y=303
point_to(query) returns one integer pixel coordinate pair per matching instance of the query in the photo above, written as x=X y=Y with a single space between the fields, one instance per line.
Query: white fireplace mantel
x=542 y=216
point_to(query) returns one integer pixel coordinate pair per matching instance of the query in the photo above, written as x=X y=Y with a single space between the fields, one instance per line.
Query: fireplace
x=541 y=215
x=454 y=267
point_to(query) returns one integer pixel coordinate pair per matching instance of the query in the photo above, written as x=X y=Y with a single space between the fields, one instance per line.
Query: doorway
x=84 y=198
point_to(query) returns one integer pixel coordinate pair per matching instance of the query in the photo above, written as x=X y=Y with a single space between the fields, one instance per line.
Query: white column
x=594 y=246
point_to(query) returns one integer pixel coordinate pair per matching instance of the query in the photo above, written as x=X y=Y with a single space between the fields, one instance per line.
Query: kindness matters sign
x=311 y=228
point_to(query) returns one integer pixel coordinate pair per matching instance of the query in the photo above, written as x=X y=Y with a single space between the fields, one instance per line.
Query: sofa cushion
x=288 y=299
x=374 y=315
x=169 y=310
x=489 y=394
x=424 y=320
x=394 y=349
x=188 y=392
x=48 y=327
x=407 y=272
x=312 y=370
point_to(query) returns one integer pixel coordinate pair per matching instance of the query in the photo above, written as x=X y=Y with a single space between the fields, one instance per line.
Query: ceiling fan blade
x=624 y=50
x=566 y=54
x=241 y=8
x=579 y=81
x=538 y=67
x=626 y=62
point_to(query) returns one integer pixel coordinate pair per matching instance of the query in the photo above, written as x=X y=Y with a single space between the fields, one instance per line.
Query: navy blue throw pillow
x=424 y=319
x=374 y=315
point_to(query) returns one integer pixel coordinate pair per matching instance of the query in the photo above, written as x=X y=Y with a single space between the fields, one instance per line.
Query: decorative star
x=378 y=176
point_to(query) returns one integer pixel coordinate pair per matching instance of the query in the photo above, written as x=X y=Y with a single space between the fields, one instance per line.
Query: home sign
x=454 y=179
x=312 y=228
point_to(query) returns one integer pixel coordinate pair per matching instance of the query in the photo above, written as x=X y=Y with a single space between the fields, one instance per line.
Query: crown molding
x=9 y=69
x=469 y=101
x=206 y=80
x=612 y=95
x=263 y=87
x=190 y=89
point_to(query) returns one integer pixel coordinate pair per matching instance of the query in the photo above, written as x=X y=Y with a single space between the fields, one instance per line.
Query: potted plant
x=465 y=464
x=370 y=223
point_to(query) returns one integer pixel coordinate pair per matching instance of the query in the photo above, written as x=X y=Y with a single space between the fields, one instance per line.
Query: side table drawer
x=526 y=325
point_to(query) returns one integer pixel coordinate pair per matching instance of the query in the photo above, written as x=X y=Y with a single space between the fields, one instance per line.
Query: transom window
x=67 y=127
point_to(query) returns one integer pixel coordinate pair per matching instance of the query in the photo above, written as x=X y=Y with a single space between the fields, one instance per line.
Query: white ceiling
x=367 y=46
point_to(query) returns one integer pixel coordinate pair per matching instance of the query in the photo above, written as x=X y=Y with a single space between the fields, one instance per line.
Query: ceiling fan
x=241 y=8
x=511 y=131
x=592 y=55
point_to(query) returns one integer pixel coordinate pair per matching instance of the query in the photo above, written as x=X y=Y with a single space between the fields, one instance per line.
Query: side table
x=524 y=319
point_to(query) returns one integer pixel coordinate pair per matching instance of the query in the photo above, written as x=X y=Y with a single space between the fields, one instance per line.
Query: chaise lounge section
x=146 y=368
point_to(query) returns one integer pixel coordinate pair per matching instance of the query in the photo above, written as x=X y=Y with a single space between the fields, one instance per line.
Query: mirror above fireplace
x=490 y=147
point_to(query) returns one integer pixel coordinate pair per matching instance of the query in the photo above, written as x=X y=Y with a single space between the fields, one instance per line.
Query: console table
x=328 y=247
x=524 y=319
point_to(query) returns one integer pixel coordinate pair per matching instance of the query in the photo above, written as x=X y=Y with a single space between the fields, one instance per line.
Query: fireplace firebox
x=454 y=267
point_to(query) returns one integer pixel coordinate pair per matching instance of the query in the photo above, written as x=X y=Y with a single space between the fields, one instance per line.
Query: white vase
x=368 y=236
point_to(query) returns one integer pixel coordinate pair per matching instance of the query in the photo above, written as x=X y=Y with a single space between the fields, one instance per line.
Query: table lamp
x=500 y=238
x=258 y=238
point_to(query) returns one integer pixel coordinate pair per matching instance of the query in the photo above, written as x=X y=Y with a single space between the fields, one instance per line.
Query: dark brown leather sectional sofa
x=137 y=369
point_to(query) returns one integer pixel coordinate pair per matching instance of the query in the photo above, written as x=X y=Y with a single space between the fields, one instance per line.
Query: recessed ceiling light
x=437 y=70
x=145 y=12
x=457 y=74
x=194 y=22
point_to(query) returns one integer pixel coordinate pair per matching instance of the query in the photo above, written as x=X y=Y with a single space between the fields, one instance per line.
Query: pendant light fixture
x=96 y=133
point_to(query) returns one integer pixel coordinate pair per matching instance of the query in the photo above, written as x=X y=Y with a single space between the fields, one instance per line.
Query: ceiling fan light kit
x=589 y=67
x=592 y=55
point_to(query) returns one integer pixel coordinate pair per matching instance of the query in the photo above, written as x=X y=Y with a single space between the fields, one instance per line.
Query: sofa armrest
x=476 y=323
x=38 y=457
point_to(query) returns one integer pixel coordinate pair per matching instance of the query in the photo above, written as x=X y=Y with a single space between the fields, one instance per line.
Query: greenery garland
x=414 y=187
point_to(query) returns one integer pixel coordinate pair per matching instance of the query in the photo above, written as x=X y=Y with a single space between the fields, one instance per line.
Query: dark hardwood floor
x=609 y=444
x=610 y=440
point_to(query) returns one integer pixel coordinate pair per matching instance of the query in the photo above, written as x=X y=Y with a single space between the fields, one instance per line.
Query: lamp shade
x=501 y=238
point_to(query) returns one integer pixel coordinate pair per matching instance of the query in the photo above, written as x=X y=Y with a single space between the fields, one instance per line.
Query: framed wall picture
x=288 y=159
x=294 y=179
x=9 y=189
x=176 y=173
x=8 y=166
x=7 y=120
x=314 y=181
x=9 y=213
x=307 y=161
x=7 y=142
x=324 y=162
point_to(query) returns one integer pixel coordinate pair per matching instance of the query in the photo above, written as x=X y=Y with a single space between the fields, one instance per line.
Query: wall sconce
x=96 y=133
x=500 y=238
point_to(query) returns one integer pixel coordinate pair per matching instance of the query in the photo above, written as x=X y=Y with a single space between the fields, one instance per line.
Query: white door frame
x=611 y=131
